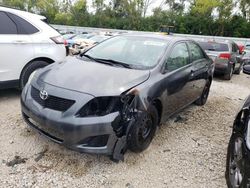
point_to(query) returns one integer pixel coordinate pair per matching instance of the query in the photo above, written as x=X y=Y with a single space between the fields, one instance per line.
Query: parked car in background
x=27 y=43
x=238 y=153
x=80 y=47
x=68 y=37
x=113 y=96
x=226 y=55
x=246 y=58
x=78 y=38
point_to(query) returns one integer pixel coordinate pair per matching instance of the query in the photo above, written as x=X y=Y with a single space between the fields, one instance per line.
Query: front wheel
x=143 y=130
x=235 y=167
x=29 y=69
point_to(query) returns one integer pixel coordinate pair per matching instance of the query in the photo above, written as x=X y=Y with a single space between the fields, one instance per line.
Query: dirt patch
x=17 y=160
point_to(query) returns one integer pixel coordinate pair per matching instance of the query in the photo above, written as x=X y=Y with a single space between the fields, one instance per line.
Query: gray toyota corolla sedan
x=112 y=97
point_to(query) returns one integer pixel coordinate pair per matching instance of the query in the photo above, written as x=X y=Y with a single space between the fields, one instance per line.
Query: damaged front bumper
x=88 y=134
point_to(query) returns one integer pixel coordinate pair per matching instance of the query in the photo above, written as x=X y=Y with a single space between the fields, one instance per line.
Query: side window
x=234 y=48
x=179 y=57
x=196 y=52
x=23 y=27
x=7 y=25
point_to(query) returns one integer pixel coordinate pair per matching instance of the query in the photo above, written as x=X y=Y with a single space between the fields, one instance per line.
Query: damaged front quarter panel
x=132 y=107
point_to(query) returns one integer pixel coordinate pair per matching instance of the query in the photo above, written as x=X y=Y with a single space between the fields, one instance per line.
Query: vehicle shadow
x=9 y=93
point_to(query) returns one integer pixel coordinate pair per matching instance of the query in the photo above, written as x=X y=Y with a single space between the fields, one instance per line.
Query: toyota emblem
x=43 y=95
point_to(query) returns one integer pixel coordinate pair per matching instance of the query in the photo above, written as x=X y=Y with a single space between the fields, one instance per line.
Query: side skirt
x=9 y=84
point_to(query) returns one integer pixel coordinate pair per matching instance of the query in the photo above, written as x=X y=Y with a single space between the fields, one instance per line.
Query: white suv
x=26 y=44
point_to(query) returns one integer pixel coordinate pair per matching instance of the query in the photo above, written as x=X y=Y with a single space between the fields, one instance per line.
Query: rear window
x=214 y=46
x=23 y=26
x=7 y=26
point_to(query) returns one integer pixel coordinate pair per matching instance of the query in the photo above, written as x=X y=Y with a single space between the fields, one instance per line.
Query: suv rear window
x=23 y=27
x=7 y=26
x=213 y=46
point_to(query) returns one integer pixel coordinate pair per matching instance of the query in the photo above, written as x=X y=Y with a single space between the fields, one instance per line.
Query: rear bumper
x=221 y=67
x=90 y=135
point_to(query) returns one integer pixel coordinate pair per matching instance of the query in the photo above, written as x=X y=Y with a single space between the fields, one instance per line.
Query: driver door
x=177 y=81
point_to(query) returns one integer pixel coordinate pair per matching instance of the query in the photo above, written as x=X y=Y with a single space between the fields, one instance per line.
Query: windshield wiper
x=114 y=62
x=97 y=60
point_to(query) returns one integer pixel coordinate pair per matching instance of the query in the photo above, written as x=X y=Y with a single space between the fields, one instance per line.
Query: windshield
x=136 y=51
x=212 y=46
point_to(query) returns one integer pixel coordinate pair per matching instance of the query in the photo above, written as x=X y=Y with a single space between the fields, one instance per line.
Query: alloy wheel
x=236 y=168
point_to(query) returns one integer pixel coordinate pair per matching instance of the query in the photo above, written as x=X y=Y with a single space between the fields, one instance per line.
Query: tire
x=236 y=171
x=143 y=130
x=238 y=71
x=28 y=70
x=229 y=73
x=203 y=98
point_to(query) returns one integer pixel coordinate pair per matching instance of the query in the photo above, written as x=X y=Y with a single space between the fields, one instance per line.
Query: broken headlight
x=100 y=106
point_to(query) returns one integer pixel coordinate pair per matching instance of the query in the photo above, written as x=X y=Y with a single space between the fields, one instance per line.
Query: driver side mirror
x=246 y=69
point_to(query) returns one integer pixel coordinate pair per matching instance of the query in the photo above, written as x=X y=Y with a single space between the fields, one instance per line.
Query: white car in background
x=27 y=43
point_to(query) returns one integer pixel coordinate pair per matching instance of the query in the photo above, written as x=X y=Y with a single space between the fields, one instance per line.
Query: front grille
x=52 y=102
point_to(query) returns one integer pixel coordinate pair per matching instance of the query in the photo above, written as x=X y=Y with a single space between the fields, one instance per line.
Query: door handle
x=20 y=42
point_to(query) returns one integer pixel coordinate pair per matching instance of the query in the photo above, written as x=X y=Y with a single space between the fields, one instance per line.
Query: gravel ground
x=187 y=153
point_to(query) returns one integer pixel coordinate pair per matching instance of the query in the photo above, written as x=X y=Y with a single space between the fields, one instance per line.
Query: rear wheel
x=229 y=73
x=29 y=69
x=203 y=98
x=143 y=131
x=238 y=71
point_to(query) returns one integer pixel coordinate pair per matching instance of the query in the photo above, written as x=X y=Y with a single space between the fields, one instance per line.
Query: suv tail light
x=65 y=42
x=225 y=56
x=58 y=39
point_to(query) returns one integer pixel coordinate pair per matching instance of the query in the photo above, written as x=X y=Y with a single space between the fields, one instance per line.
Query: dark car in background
x=238 y=153
x=246 y=58
x=113 y=96
x=226 y=55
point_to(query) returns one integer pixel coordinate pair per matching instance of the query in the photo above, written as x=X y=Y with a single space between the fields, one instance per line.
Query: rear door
x=200 y=64
x=176 y=80
x=15 y=47
x=237 y=56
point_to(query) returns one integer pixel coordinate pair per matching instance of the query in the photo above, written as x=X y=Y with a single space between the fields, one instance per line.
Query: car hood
x=91 y=77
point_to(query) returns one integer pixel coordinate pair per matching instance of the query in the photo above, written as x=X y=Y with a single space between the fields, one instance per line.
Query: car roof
x=21 y=13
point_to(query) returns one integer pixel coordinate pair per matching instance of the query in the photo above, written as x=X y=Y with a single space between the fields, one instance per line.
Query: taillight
x=225 y=56
x=58 y=39
x=65 y=43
